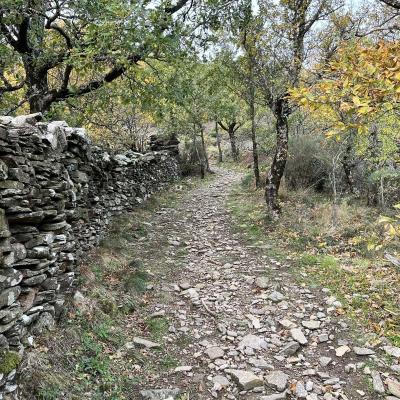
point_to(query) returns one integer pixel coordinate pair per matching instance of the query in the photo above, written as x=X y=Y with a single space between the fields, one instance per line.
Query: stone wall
x=57 y=194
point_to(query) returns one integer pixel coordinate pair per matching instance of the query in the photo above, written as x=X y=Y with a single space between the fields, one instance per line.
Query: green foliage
x=95 y=365
x=309 y=163
x=359 y=94
x=224 y=88
x=49 y=392
x=189 y=155
x=158 y=327
x=136 y=281
x=169 y=362
x=74 y=48
x=309 y=260
x=9 y=360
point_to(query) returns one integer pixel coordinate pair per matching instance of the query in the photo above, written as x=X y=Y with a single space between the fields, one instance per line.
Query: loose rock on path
x=244 y=326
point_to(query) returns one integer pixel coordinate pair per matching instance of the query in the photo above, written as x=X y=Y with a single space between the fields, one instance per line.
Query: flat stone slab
x=183 y=368
x=159 y=394
x=363 y=351
x=311 y=324
x=252 y=341
x=298 y=335
x=342 y=350
x=221 y=381
x=214 y=352
x=276 y=396
x=276 y=297
x=290 y=349
x=394 y=387
x=246 y=380
x=392 y=351
x=277 y=380
x=260 y=363
x=286 y=323
x=148 y=344
x=262 y=282
x=325 y=361
x=377 y=383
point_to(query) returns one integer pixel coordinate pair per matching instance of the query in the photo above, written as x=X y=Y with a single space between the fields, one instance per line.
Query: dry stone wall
x=57 y=195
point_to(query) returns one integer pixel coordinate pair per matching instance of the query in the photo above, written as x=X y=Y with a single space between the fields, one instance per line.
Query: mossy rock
x=9 y=361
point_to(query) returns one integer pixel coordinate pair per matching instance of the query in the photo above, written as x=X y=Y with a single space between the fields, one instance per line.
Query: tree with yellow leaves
x=361 y=84
x=359 y=99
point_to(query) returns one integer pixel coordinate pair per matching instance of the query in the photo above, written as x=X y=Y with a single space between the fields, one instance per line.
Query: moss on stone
x=9 y=360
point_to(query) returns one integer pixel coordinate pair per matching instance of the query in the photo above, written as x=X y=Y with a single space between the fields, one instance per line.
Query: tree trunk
x=218 y=136
x=36 y=82
x=37 y=90
x=232 y=139
x=254 y=139
x=203 y=145
x=334 y=190
x=199 y=158
x=382 y=192
x=277 y=169
x=348 y=165
x=36 y=71
x=373 y=165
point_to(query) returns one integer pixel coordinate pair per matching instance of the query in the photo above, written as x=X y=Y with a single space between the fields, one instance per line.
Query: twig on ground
x=207 y=309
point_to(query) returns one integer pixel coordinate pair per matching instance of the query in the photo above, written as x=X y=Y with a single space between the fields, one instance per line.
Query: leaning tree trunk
x=277 y=169
x=218 y=136
x=232 y=139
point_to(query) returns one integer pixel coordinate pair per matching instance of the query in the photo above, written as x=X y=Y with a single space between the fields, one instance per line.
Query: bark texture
x=218 y=137
x=277 y=169
x=231 y=128
x=254 y=138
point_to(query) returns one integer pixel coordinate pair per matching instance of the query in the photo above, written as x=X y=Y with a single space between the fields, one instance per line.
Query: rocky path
x=239 y=325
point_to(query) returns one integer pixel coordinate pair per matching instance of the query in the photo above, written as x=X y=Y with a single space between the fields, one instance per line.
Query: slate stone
x=159 y=394
x=8 y=296
x=277 y=380
x=246 y=380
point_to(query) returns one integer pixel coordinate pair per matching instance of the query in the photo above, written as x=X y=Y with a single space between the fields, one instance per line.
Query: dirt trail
x=240 y=326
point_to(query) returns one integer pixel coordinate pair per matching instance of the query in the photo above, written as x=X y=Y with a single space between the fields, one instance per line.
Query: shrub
x=189 y=157
x=308 y=163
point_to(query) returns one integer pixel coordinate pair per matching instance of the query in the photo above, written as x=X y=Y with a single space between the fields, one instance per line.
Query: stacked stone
x=171 y=144
x=57 y=195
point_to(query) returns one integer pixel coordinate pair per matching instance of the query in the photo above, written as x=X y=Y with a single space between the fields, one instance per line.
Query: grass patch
x=9 y=360
x=136 y=281
x=50 y=392
x=169 y=362
x=157 y=327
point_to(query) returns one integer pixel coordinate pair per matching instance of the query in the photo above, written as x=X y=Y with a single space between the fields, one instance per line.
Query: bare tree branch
x=392 y=3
